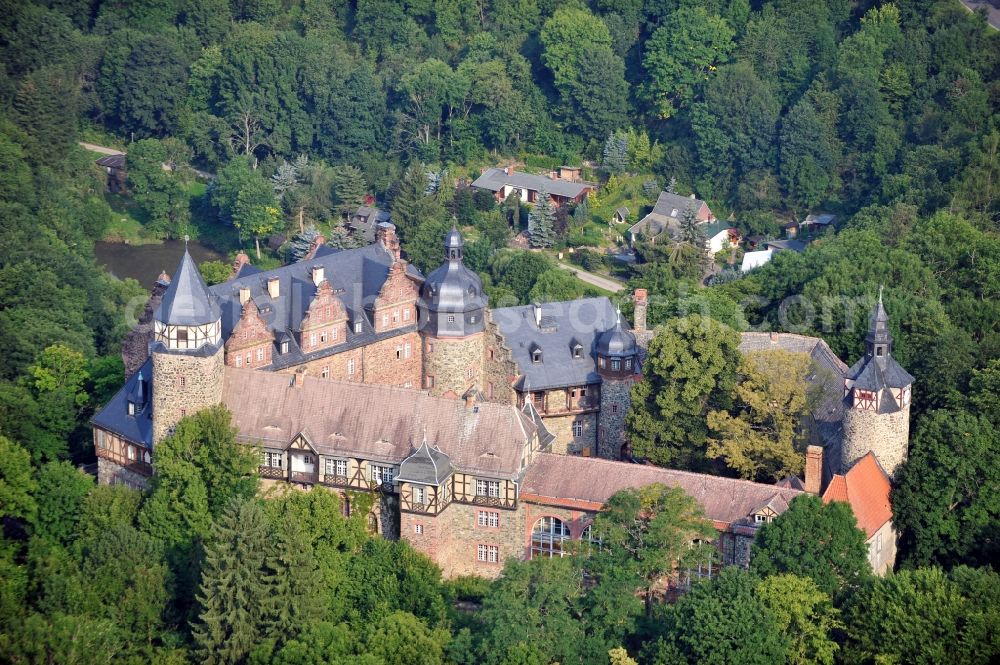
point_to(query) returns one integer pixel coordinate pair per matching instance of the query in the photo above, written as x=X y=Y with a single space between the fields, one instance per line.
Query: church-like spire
x=453 y=244
x=879 y=339
x=187 y=301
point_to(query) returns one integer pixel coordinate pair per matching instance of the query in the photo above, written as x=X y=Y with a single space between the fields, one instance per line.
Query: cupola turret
x=617 y=362
x=616 y=350
x=452 y=302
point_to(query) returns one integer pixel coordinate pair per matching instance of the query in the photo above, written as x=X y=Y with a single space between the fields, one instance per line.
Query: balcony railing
x=304 y=477
x=336 y=481
x=271 y=472
x=489 y=501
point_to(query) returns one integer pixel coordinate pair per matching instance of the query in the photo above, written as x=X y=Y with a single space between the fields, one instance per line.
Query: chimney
x=641 y=301
x=385 y=234
x=300 y=377
x=814 y=469
x=553 y=175
x=470 y=399
x=273 y=287
x=317 y=274
x=537 y=309
x=241 y=260
x=318 y=242
x=244 y=294
x=692 y=197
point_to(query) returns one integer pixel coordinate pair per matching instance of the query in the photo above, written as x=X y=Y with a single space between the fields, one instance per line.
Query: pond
x=144 y=262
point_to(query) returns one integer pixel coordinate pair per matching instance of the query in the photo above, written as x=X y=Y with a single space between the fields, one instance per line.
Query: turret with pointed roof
x=877 y=393
x=617 y=364
x=187 y=350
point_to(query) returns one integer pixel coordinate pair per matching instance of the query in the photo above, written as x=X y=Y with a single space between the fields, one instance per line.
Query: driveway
x=600 y=282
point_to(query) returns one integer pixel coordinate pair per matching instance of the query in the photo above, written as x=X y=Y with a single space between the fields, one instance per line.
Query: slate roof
x=356 y=276
x=593 y=481
x=792 y=244
x=827 y=375
x=819 y=220
x=426 y=465
x=867 y=488
x=112 y=161
x=617 y=342
x=451 y=287
x=494 y=180
x=665 y=215
x=375 y=422
x=114 y=416
x=562 y=324
x=364 y=220
x=187 y=301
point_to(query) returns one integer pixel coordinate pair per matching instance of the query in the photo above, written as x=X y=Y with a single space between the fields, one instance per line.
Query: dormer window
x=131 y=408
x=182 y=335
x=615 y=364
x=879 y=351
x=577 y=351
x=536 y=354
x=357 y=327
x=284 y=347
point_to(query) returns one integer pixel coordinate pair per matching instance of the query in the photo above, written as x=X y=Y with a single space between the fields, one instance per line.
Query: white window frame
x=488 y=488
x=260 y=355
x=488 y=553
x=418 y=529
x=577 y=428
x=239 y=360
x=418 y=494
x=489 y=519
x=406 y=314
x=335 y=467
x=381 y=474
x=268 y=458
x=350 y=367
x=547 y=537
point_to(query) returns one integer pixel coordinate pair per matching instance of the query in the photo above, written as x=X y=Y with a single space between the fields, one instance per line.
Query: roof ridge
x=695 y=474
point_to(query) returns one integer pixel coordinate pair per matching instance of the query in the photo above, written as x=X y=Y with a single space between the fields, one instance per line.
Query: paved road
x=992 y=13
x=600 y=282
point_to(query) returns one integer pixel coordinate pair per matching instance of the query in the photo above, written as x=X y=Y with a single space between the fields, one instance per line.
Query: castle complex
x=485 y=433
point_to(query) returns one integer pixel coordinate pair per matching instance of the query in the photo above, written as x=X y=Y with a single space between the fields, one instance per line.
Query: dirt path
x=100 y=148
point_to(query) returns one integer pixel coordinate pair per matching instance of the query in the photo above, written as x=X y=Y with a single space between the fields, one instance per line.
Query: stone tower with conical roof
x=187 y=350
x=617 y=365
x=877 y=392
x=452 y=310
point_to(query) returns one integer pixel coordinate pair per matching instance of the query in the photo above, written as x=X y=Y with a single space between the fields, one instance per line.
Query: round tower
x=877 y=392
x=452 y=309
x=617 y=362
x=186 y=350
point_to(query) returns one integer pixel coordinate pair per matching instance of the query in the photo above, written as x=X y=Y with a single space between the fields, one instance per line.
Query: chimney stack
x=814 y=469
x=273 y=287
x=317 y=275
x=537 y=309
x=241 y=260
x=641 y=301
x=470 y=399
x=300 y=376
x=244 y=294
x=318 y=242
x=385 y=234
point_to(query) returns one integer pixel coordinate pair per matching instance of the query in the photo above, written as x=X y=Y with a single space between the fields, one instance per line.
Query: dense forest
x=885 y=114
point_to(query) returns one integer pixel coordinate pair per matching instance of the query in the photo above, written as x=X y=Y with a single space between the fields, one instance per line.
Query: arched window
x=547 y=537
x=588 y=537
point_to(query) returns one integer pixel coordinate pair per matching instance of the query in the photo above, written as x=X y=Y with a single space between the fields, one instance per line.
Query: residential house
x=563 y=186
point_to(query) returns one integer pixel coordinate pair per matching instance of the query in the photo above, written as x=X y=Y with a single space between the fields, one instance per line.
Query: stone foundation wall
x=183 y=385
x=562 y=428
x=885 y=434
x=109 y=473
x=448 y=361
x=611 y=423
x=452 y=538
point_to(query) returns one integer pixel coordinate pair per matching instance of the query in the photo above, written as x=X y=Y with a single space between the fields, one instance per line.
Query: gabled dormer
x=251 y=342
x=396 y=303
x=325 y=323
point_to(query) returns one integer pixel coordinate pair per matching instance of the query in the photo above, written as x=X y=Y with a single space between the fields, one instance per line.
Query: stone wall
x=452 y=538
x=499 y=369
x=615 y=401
x=183 y=385
x=886 y=434
x=562 y=428
x=109 y=473
x=449 y=362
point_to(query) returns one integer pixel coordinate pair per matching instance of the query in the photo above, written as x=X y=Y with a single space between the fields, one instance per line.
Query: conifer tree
x=348 y=189
x=301 y=243
x=690 y=233
x=295 y=583
x=541 y=221
x=234 y=588
x=616 y=153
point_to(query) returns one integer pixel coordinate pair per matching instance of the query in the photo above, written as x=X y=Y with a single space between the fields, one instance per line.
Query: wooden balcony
x=336 y=481
x=304 y=477
x=275 y=472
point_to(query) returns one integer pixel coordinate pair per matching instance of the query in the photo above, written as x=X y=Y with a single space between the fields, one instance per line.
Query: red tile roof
x=586 y=483
x=866 y=487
